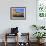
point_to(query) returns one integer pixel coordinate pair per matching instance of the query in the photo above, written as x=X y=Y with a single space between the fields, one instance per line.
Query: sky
x=20 y=10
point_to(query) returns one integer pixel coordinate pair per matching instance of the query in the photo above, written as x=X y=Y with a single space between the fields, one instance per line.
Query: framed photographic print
x=41 y=12
x=41 y=8
x=18 y=13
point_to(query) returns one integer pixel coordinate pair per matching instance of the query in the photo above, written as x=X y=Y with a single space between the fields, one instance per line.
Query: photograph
x=17 y=13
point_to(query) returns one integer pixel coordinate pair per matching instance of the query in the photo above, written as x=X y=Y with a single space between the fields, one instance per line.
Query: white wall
x=24 y=25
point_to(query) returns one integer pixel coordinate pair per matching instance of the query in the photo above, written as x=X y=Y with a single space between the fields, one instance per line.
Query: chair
x=25 y=37
x=14 y=32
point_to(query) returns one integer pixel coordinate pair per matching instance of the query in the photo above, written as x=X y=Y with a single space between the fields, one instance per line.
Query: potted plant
x=39 y=35
x=38 y=27
x=42 y=27
x=35 y=26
